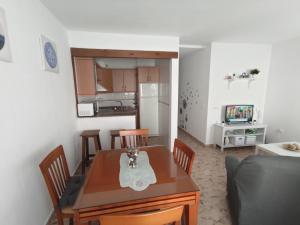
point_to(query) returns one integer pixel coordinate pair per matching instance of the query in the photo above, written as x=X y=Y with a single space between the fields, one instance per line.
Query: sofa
x=264 y=190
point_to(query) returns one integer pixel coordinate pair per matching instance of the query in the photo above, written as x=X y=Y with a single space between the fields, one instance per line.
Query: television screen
x=238 y=113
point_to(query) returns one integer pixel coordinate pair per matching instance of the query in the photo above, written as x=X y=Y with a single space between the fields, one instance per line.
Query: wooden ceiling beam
x=112 y=53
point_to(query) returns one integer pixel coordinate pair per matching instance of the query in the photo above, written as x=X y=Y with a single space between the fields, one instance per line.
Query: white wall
x=106 y=124
x=82 y=39
x=282 y=102
x=164 y=101
x=95 y=40
x=37 y=112
x=236 y=58
x=193 y=89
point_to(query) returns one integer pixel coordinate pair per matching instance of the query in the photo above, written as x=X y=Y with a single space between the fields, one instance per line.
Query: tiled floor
x=210 y=175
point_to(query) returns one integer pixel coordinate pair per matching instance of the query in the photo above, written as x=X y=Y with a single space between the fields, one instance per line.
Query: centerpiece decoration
x=132 y=154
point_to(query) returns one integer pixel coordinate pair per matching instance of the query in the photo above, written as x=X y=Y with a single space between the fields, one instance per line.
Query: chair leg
x=112 y=142
x=99 y=142
x=83 y=155
x=59 y=217
x=87 y=152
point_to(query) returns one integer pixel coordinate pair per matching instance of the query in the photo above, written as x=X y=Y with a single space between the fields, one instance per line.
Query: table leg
x=192 y=217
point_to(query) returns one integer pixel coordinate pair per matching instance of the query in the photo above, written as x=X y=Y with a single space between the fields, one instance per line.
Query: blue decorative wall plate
x=5 y=54
x=50 y=55
x=2 y=41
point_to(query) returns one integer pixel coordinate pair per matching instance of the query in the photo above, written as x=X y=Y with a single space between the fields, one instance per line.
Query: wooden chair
x=58 y=180
x=183 y=155
x=153 y=218
x=134 y=138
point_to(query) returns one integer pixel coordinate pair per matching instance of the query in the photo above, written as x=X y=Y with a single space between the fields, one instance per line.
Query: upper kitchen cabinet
x=104 y=79
x=124 y=80
x=118 y=80
x=148 y=74
x=85 y=76
x=130 y=80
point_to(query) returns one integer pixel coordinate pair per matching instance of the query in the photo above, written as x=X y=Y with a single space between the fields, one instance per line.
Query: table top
x=102 y=187
x=277 y=149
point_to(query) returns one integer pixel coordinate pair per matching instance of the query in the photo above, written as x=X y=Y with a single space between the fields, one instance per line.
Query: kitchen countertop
x=113 y=111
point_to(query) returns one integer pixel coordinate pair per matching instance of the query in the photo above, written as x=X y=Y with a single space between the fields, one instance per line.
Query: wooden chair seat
x=68 y=210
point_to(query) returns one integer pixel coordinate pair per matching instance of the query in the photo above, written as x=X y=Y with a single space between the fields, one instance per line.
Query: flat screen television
x=239 y=113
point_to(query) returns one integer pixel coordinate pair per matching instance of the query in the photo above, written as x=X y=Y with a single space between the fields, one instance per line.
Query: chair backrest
x=134 y=138
x=56 y=173
x=183 y=155
x=154 y=218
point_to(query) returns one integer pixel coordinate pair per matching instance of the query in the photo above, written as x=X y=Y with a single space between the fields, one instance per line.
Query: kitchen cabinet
x=148 y=74
x=104 y=79
x=118 y=80
x=130 y=80
x=85 y=76
x=124 y=80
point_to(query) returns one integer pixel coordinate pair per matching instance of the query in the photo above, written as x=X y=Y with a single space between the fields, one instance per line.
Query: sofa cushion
x=72 y=190
x=267 y=189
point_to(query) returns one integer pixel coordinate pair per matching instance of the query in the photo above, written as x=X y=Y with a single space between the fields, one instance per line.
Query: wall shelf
x=248 y=79
x=223 y=131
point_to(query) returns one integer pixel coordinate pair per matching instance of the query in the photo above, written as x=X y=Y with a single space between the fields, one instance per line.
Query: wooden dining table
x=102 y=194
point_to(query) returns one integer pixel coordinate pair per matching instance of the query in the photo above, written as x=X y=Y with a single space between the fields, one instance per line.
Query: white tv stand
x=227 y=132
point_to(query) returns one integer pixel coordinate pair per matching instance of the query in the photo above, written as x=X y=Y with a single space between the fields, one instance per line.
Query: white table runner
x=138 y=178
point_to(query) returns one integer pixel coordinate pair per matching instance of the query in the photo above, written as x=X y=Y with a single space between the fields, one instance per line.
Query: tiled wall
x=109 y=99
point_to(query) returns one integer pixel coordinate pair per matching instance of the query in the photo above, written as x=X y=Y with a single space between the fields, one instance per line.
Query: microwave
x=86 y=109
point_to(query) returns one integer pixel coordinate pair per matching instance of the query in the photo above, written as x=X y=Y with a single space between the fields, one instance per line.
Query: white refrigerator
x=149 y=107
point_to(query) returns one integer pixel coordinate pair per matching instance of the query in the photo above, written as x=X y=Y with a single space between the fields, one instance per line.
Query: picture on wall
x=5 y=54
x=49 y=55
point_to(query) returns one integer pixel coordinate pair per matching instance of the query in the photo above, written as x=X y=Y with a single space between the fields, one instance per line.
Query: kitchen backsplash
x=110 y=99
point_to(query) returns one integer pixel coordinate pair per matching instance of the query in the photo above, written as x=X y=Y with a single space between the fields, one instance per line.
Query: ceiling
x=194 y=21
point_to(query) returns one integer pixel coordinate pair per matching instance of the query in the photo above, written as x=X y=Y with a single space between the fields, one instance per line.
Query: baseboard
x=195 y=139
x=76 y=168
x=49 y=216
x=52 y=210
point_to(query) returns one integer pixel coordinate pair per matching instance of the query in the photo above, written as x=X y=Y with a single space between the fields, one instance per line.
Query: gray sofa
x=264 y=190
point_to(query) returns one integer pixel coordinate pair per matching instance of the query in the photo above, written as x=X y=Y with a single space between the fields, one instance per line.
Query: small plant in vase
x=254 y=72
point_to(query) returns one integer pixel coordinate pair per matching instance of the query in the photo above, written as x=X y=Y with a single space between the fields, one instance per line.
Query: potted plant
x=254 y=72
